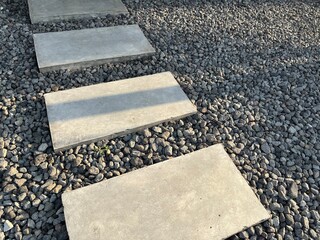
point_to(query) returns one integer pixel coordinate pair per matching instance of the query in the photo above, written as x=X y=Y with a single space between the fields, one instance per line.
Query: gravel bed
x=251 y=67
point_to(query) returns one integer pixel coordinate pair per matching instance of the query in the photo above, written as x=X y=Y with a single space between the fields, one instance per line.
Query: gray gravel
x=251 y=67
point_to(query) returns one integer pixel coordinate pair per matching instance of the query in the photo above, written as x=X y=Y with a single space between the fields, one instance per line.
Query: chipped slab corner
x=201 y=195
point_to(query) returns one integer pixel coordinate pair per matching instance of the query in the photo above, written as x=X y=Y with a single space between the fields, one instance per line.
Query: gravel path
x=252 y=69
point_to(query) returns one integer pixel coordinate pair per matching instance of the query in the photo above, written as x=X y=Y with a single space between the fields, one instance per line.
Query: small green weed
x=103 y=150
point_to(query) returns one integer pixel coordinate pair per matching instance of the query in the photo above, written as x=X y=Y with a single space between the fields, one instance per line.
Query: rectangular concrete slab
x=108 y=110
x=53 y=10
x=200 y=196
x=87 y=47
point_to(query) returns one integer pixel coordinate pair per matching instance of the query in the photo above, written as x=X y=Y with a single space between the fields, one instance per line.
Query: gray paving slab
x=200 y=196
x=108 y=110
x=53 y=10
x=87 y=47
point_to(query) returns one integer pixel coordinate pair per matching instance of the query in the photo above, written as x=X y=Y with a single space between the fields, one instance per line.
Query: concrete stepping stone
x=87 y=47
x=201 y=195
x=53 y=10
x=108 y=110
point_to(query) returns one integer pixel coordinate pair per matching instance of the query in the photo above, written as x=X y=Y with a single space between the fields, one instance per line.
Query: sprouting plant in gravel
x=104 y=150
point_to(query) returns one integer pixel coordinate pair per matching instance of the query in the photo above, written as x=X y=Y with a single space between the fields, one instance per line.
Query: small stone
x=293 y=190
x=275 y=206
x=292 y=130
x=7 y=226
x=244 y=235
x=168 y=150
x=147 y=133
x=57 y=189
x=157 y=129
x=91 y=147
x=49 y=185
x=116 y=158
x=282 y=192
x=276 y=222
x=154 y=147
x=19 y=122
x=120 y=144
x=1 y=143
x=2 y=236
x=184 y=149
x=139 y=147
x=290 y=219
x=31 y=223
x=42 y=147
x=20 y=181
x=22 y=196
x=136 y=162
x=3 y=152
x=40 y=159
x=165 y=135
x=3 y=164
x=18 y=235
x=188 y=132
x=12 y=171
x=290 y=163
x=9 y=188
x=111 y=164
x=71 y=157
x=305 y=222
x=179 y=133
x=77 y=161
x=315 y=214
x=136 y=153
x=313 y=233
x=265 y=148
x=94 y=170
x=116 y=165
x=210 y=138
x=132 y=143
x=52 y=171
x=99 y=177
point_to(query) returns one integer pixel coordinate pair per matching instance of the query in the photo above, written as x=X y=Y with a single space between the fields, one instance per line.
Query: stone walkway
x=188 y=200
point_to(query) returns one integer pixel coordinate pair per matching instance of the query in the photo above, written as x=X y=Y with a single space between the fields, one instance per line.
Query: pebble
x=147 y=133
x=12 y=171
x=94 y=170
x=157 y=129
x=210 y=138
x=282 y=192
x=7 y=226
x=294 y=190
x=43 y=147
x=168 y=150
x=40 y=159
x=99 y=177
x=3 y=152
x=265 y=148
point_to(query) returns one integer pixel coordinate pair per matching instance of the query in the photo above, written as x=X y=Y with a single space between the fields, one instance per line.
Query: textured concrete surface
x=199 y=196
x=107 y=110
x=82 y=48
x=52 y=10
